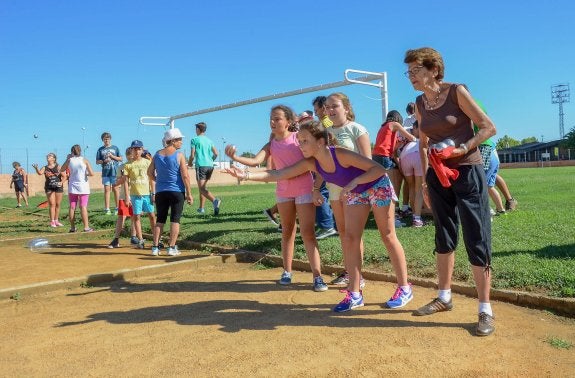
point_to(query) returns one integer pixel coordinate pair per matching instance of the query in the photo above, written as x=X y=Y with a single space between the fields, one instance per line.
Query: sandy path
x=232 y=320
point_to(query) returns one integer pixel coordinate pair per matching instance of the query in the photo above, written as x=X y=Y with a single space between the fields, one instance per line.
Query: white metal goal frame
x=375 y=79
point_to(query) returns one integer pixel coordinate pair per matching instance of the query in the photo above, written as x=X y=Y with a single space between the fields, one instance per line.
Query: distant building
x=221 y=164
x=535 y=151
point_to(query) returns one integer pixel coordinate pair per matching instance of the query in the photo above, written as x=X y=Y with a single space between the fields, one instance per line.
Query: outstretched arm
x=38 y=171
x=396 y=126
x=294 y=170
x=252 y=162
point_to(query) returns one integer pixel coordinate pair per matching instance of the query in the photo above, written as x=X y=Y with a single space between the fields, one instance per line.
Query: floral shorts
x=379 y=195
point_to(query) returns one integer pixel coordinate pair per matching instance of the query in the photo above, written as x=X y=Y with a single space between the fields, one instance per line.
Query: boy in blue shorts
x=108 y=156
x=139 y=189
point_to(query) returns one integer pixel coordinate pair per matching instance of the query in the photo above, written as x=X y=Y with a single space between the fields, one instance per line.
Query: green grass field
x=533 y=247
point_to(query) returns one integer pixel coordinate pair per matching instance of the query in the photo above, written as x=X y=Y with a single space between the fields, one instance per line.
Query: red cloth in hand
x=444 y=153
x=444 y=173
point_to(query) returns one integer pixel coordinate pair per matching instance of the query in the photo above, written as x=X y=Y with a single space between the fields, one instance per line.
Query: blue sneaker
x=217 y=202
x=285 y=278
x=400 y=298
x=318 y=284
x=349 y=303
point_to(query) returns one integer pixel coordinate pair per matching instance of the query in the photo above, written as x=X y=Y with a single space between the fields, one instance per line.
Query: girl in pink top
x=293 y=196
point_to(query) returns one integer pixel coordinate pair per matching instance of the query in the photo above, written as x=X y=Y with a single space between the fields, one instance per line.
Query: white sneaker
x=325 y=233
x=155 y=251
x=173 y=251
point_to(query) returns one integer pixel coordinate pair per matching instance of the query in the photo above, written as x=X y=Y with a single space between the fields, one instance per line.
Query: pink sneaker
x=53 y=224
x=57 y=223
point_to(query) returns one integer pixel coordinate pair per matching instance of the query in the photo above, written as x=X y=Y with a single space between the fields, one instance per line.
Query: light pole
x=83 y=138
x=222 y=153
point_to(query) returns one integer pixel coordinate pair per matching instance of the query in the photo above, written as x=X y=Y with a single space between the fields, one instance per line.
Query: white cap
x=172 y=134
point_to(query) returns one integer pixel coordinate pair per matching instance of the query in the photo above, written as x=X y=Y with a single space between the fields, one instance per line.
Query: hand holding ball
x=230 y=150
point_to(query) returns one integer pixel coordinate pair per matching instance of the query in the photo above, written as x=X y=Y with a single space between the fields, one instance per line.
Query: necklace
x=428 y=103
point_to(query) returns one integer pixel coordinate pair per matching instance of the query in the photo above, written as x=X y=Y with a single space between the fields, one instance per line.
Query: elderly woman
x=455 y=185
x=169 y=174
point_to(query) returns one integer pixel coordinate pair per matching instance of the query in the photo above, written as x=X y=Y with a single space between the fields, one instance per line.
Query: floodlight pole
x=559 y=95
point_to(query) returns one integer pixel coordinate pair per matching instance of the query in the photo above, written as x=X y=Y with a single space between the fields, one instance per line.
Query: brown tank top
x=449 y=121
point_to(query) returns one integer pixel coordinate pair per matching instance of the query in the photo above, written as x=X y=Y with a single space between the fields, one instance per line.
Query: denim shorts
x=108 y=180
x=385 y=161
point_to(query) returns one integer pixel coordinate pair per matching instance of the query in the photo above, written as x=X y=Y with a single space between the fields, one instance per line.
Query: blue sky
x=101 y=65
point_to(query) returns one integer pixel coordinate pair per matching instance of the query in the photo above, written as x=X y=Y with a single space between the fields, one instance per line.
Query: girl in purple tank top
x=365 y=187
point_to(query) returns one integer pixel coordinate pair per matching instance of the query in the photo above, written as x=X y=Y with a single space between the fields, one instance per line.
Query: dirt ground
x=225 y=318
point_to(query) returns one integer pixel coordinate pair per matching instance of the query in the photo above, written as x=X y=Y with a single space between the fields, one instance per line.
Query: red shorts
x=124 y=210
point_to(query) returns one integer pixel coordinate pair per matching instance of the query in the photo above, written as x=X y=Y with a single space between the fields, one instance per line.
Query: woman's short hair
x=428 y=58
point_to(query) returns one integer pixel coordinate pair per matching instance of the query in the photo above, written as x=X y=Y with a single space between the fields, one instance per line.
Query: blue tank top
x=343 y=176
x=168 y=177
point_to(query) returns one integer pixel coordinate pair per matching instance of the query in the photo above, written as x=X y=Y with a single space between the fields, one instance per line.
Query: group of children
x=356 y=184
x=306 y=154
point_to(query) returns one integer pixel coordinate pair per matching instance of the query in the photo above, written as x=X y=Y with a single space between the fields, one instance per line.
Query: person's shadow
x=237 y=315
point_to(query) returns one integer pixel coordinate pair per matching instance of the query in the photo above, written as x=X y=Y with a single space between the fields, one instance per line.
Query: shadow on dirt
x=238 y=315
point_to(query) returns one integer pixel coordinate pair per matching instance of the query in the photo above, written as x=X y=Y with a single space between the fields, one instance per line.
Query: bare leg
x=84 y=214
x=339 y=213
x=287 y=212
x=72 y=216
x=107 y=190
x=116 y=190
x=57 y=204
x=136 y=219
x=119 y=226
x=445 y=263
x=52 y=205
x=385 y=219
x=418 y=201
x=355 y=217
x=482 y=277
x=204 y=193
x=174 y=233
x=306 y=218
x=494 y=194
x=502 y=185
x=158 y=230
x=152 y=218
x=410 y=183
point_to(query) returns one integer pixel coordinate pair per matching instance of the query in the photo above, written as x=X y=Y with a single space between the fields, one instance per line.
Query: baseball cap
x=136 y=144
